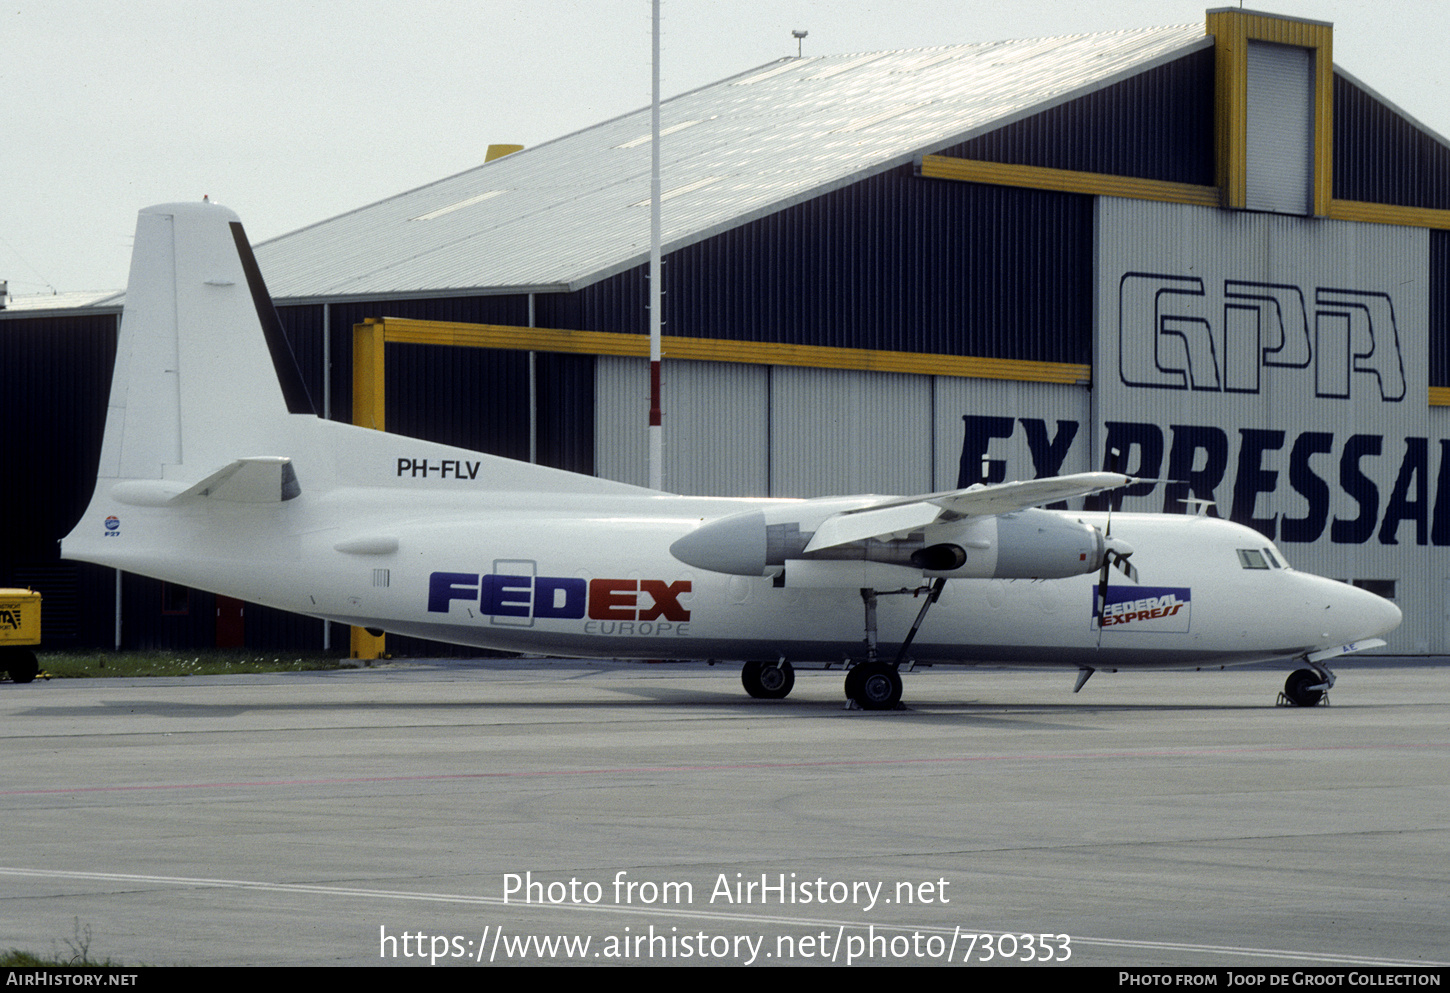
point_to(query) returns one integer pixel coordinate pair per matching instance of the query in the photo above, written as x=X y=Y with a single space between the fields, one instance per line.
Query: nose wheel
x=1306 y=688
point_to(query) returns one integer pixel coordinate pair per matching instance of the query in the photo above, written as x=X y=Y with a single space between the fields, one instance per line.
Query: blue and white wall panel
x=1281 y=364
x=716 y=425
x=1022 y=430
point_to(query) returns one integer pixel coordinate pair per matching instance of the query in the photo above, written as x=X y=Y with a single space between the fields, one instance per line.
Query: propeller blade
x=1127 y=568
x=1102 y=593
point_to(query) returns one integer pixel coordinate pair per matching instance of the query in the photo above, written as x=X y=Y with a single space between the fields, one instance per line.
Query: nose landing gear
x=1306 y=688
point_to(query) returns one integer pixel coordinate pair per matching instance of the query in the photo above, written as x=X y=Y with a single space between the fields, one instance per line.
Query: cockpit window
x=1269 y=554
x=1252 y=558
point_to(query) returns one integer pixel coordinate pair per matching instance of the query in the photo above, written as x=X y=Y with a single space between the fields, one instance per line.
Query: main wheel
x=1296 y=687
x=768 y=681
x=874 y=686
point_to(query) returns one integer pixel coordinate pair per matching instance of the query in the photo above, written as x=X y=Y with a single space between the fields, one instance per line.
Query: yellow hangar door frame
x=371 y=337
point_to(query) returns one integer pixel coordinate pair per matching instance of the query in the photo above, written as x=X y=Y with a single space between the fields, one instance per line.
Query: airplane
x=217 y=474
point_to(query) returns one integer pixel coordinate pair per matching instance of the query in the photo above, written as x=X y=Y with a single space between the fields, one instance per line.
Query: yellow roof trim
x=407 y=330
x=1066 y=180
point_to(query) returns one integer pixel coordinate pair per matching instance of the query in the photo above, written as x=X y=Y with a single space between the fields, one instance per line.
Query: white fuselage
x=215 y=473
x=592 y=575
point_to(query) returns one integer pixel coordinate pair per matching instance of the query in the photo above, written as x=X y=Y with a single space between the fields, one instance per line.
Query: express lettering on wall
x=1291 y=487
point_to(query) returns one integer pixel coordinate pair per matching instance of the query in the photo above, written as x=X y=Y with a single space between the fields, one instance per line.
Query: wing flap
x=842 y=529
x=903 y=515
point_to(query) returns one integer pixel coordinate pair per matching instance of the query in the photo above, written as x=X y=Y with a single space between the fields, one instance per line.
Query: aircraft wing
x=902 y=515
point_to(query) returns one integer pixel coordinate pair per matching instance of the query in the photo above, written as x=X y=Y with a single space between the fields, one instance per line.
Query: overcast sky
x=290 y=113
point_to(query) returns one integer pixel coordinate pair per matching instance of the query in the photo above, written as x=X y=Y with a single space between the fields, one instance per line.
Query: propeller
x=1115 y=553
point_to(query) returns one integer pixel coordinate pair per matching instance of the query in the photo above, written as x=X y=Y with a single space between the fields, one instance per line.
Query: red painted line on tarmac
x=820 y=764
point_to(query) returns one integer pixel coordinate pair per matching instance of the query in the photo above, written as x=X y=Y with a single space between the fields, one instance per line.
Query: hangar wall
x=752 y=430
x=1006 y=269
x=1277 y=363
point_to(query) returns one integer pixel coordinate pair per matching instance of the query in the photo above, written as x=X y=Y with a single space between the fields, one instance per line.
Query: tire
x=768 y=681
x=23 y=667
x=878 y=687
x=1296 y=688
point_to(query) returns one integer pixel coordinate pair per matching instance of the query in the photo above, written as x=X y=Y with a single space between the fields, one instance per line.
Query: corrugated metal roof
x=575 y=210
x=49 y=304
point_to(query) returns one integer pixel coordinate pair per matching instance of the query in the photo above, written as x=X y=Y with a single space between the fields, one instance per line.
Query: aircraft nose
x=1368 y=615
x=1387 y=615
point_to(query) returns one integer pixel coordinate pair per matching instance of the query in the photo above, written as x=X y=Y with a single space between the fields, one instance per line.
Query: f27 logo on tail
x=1173 y=336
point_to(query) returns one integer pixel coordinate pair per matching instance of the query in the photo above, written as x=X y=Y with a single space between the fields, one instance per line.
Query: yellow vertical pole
x=367 y=412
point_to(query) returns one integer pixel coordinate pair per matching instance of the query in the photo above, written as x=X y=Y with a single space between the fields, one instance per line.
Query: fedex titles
x=611 y=606
x=1156 y=608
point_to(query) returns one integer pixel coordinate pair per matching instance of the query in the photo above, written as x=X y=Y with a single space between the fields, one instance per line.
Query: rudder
x=195 y=383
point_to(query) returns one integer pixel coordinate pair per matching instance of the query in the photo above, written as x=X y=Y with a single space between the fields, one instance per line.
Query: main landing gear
x=1306 y=687
x=874 y=684
x=870 y=685
x=768 y=681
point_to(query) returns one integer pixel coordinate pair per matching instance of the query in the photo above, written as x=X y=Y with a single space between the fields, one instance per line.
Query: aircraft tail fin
x=207 y=404
x=197 y=399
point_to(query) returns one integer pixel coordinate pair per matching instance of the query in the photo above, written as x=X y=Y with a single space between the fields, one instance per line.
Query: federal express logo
x=514 y=595
x=1155 y=609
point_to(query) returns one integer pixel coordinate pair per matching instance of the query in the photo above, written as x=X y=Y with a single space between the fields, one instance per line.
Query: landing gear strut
x=768 y=680
x=873 y=684
x=1306 y=687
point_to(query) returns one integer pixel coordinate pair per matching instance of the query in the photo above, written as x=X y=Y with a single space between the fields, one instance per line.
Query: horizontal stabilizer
x=258 y=479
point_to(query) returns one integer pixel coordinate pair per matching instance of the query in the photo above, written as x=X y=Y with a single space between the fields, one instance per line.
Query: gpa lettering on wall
x=1274 y=365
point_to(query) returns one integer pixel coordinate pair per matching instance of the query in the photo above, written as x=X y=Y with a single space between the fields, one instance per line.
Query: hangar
x=1204 y=246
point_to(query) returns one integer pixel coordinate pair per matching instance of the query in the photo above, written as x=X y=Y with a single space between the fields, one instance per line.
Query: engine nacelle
x=1041 y=544
x=1025 y=544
